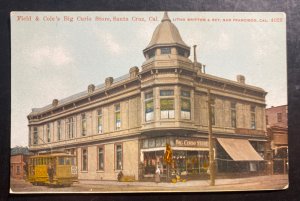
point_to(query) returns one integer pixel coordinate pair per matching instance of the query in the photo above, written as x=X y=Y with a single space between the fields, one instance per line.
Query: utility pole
x=210 y=141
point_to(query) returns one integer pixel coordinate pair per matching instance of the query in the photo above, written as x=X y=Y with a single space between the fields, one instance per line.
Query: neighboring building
x=18 y=161
x=17 y=166
x=125 y=123
x=277 y=127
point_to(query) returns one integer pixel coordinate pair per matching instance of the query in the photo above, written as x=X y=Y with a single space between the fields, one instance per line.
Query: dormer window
x=165 y=50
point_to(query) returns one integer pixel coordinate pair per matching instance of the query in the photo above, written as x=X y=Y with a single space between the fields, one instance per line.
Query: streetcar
x=56 y=169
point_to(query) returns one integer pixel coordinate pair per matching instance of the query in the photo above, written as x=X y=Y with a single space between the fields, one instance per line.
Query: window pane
x=165 y=50
x=100 y=159
x=185 y=105
x=151 y=143
x=100 y=124
x=185 y=93
x=119 y=157
x=166 y=92
x=180 y=51
x=145 y=143
x=149 y=95
x=84 y=160
x=151 y=53
x=61 y=161
x=167 y=104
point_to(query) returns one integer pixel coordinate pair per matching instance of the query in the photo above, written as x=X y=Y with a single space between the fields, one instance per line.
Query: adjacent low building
x=125 y=123
x=277 y=129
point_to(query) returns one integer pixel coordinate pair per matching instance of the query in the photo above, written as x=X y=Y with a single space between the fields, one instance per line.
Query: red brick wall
x=272 y=116
x=17 y=162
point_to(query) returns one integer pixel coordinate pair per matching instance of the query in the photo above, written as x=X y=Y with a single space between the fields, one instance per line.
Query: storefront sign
x=191 y=143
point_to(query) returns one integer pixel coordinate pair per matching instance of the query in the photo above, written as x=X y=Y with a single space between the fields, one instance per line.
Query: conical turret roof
x=166 y=33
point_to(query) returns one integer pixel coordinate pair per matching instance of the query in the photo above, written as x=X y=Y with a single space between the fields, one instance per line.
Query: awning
x=239 y=149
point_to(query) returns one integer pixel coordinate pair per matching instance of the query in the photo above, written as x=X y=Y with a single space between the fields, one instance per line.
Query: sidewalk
x=218 y=182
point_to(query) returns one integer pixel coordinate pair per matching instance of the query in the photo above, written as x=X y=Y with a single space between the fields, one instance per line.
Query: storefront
x=190 y=156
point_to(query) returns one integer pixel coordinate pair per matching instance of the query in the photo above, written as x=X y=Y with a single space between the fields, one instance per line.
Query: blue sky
x=55 y=59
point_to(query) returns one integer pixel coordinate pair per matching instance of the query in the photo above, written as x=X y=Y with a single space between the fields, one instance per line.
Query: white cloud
x=56 y=56
x=109 y=41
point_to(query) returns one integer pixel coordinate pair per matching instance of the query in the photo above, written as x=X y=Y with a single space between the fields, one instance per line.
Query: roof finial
x=166 y=17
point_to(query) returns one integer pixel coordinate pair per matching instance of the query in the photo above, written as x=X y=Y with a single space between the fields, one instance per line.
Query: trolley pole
x=210 y=142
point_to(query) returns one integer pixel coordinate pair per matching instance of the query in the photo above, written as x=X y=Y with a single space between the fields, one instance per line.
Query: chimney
x=133 y=71
x=195 y=55
x=54 y=102
x=240 y=79
x=91 y=88
x=109 y=81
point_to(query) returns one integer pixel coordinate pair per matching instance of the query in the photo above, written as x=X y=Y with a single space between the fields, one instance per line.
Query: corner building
x=125 y=123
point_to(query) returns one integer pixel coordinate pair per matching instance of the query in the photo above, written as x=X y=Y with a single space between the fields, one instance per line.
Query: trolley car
x=57 y=169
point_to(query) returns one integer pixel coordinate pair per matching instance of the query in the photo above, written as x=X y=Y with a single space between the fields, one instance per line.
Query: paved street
x=250 y=183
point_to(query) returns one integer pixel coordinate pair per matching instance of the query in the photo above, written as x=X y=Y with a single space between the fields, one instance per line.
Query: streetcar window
x=60 y=160
x=67 y=161
x=73 y=161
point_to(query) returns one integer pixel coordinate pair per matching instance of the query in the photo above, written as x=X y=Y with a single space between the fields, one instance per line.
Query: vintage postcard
x=148 y=102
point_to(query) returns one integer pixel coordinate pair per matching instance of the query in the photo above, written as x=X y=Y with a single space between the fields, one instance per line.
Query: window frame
x=100 y=115
x=98 y=157
x=70 y=127
x=58 y=127
x=146 y=101
x=233 y=117
x=116 y=157
x=165 y=50
x=253 y=117
x=185 y=95
x=167 y=94
x=279 y=117
x=213 y=111
x=118 y=113
x=48 y=132
x=35 y=135
x=83 y=117
x=82 y=159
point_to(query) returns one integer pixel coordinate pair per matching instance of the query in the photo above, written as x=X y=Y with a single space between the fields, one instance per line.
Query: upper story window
x=83 y=124
x=58 y=130
x=267 y=120
x=167 y=104
x=279 y=117
x=253 y=117
x=151 y=53
x=48 y=133
x=233 y=114
x=117 y=117
x=100 y=123
x=185 y=104
x=213 y=112
x=165 y=50
x=149 y=106
x=35 y=135
x=70 y=127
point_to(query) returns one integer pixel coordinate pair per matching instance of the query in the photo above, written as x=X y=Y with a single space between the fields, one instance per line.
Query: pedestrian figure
x=120 y=176
x=157 y=175
x=50 y=173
